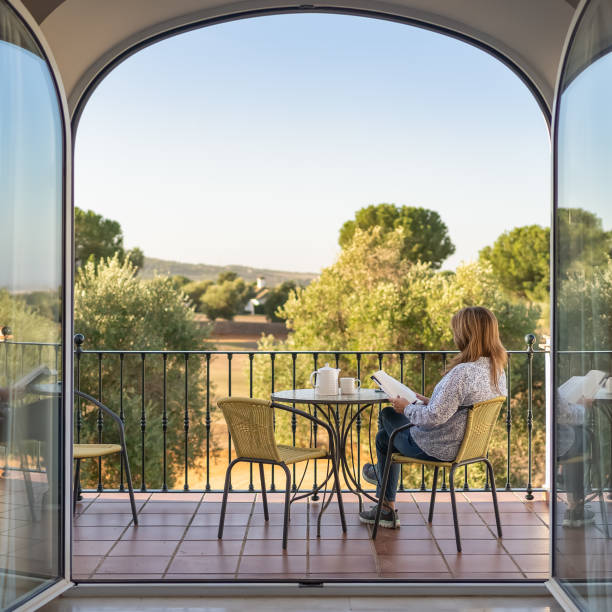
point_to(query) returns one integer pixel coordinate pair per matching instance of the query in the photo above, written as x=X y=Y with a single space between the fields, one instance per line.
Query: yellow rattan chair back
x=251 y=426
x=479 y=429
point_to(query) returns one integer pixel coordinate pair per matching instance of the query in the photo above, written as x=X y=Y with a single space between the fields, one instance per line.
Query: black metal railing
x=156 y=414
x=150 y=388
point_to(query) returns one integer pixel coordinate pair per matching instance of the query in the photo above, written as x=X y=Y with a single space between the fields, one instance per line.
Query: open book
x=393 y=387
x=577 y=389
x=31 y=377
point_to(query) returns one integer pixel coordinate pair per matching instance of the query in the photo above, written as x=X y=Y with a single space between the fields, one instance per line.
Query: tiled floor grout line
x=500 y=540
x=522 y=500
x=104 y=557
x=430 y=527
x=377 y=564
x=246 y=535
x=173 y=555
x=92 y=499
x=89 y=503
x=472 y=504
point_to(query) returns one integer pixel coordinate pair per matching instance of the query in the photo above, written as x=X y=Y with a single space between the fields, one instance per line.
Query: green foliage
x=585 y=310
x=425 y=238
x=519 y=258
x=373 y=299
x=98 y=238
x=116 y=310
x=585 y=243
x=46 y=303
x=194 y=290
x=179 y=281
x=95 y=236
x=277 y=298
x=136 y=257
x=27 y=324
x=226 y=276
x=226 y=298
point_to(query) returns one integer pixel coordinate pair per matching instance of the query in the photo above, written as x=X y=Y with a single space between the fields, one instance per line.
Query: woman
x=474 y=375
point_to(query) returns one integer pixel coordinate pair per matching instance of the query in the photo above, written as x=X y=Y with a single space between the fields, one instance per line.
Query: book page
x=577 y=389
x=393 y=387
x=30 y=377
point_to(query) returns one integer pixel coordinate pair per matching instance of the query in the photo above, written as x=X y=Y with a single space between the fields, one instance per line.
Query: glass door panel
x=31 y=204
x=582 y=548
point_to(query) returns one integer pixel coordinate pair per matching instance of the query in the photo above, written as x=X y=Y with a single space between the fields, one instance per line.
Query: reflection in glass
x=31 y=176
x=583 y=321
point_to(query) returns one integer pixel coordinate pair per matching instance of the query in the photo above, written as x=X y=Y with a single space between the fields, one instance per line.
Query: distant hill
x=198 y=272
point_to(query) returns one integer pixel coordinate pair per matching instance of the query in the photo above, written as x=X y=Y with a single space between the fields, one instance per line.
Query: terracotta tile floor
x=177 y=540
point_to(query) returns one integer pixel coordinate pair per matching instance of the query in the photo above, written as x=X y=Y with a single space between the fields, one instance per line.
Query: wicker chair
x=478 y=430
x=88 y=451
x=250 y=423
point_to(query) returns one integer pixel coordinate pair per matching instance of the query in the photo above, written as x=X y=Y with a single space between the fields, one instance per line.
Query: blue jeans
x=388 y=421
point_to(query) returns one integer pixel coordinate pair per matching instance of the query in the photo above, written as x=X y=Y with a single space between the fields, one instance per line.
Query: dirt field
x=241 y=334
x=242 y=338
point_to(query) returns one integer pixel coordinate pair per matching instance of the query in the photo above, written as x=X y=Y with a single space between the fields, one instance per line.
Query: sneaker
x=582 y=516
x=567 y=518
x=388 y=517
x=578 y=517
x=369 y=474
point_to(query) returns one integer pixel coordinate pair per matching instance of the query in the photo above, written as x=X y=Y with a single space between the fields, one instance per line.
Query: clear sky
x=585 y=158
x=30 y=173
x=251 y=142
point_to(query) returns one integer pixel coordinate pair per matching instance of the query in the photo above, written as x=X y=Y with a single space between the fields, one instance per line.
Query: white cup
x=349 y=385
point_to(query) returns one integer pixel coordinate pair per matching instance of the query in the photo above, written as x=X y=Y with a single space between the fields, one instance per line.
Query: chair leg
x=433 y=495
x=228 y=473
x=287 y=502
x=75 y=492
x=454 y=507
x=604 y=513
x=381 y=499
x=339 y=494
x=264 y=497
x=494 y=493
x=598 y=478
x=128 y=477
x=28 y=483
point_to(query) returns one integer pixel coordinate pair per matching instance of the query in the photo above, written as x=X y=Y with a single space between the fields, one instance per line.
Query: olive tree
x=116 y=310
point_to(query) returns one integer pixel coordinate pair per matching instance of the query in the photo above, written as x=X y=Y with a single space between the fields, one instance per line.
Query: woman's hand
x=424 y=399
x=399 y=403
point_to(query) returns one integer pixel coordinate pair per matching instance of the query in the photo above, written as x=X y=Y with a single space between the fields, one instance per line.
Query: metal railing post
x=530 y=339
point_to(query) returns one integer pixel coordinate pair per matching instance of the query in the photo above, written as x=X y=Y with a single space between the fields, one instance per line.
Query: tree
x=27 y=322
x=195 y=290
x=136 y=257
x=519 y=258
x=425 y=237
x=114 y=309
x=46 y=303
x=98 y=238
x=373 y=299
x=276 y=298
x=585 y=243
x=226 y=276
x=95 y=236
x=585 y=311
x=225 y=299
x=180 y=281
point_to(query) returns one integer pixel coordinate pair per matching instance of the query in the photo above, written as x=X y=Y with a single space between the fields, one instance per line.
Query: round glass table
x=341 y=412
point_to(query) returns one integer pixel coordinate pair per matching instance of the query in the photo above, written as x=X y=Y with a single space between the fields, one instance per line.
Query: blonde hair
x=476 y=335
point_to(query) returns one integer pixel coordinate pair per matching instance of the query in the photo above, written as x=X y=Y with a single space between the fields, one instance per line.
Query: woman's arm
x=444 y=402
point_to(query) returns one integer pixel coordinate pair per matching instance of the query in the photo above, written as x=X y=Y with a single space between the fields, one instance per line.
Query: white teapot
x=326 y=380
